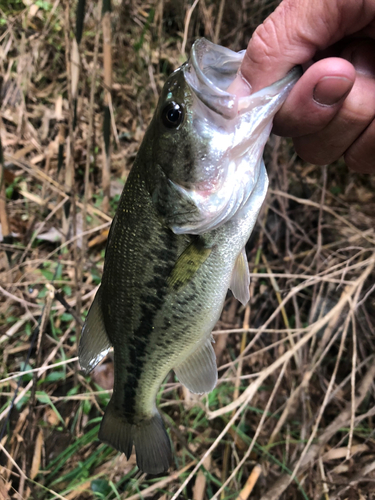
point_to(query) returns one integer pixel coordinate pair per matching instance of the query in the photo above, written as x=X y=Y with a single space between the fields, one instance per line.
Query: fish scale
x=147 y=281
x=177 y=243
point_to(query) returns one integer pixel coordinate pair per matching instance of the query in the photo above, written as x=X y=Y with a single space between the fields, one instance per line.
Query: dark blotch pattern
x=150 y=304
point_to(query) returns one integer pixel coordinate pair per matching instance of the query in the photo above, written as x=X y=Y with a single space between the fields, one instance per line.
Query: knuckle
x=309 y=151
x=359 y=164
x=361 y=154
x=265 y=43
x=358 y=112
x=359 y=106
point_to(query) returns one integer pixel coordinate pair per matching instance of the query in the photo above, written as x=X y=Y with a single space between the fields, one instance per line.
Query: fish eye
x=172 y=115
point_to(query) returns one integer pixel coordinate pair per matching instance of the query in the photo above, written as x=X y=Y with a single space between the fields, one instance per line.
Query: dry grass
x=293 y=414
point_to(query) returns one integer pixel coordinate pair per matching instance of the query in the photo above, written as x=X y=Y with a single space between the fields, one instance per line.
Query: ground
x=292 y=416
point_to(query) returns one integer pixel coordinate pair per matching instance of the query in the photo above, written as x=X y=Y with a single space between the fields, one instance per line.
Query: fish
x=177 y=243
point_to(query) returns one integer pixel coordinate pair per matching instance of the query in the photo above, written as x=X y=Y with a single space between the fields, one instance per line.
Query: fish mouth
x=240 y=140
x=209 y=72
x=212 y=68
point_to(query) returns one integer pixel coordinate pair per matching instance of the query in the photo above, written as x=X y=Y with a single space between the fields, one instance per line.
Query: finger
x=361 y=155
x=316 y=98
x=355 y=115
x=361 y=53
x=295 y=31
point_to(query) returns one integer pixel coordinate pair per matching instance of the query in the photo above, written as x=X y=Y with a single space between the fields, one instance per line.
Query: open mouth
x=212 y=68
x=209 y=72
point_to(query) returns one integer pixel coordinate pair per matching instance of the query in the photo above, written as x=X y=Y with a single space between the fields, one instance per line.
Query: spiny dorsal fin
x=94 y=343
x=240 y=280
x=198 y=372
x=188 y=264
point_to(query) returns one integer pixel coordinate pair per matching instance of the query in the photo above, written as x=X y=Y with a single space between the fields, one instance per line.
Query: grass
x=292 y=416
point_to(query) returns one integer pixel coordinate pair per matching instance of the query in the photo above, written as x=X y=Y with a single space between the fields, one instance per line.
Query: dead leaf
x=336 y=453
x=238 y=441
x=53 y=235
x=199 y=488
x=35 y=466
x=3 y=490
x=100 y=238
x=51 y=417
x=75 y=61
x=33 y=10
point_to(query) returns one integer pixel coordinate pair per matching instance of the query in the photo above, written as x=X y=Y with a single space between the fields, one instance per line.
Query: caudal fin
x=151 y=441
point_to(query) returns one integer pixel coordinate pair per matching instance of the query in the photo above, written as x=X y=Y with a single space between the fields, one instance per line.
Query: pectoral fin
x=188 y=264
x=198 y=372
x=240 y=280
x=94 y=343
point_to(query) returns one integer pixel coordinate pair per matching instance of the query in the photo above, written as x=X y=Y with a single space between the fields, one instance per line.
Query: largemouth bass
x=177 y=243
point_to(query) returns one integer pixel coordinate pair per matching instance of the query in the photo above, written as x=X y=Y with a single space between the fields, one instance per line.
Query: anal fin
x=94 y=343
x=240 y=280
x=198 y=372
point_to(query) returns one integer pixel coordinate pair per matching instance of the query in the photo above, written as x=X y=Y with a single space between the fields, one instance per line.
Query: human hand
x=331 y=110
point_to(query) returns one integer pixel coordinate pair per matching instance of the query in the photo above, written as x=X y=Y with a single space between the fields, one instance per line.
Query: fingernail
x=331 y=89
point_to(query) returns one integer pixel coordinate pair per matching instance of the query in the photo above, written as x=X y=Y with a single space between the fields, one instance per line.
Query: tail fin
x=151 y=441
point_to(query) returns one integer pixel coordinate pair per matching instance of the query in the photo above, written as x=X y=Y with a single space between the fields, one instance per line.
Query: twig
x=39 y=369
x=161 y=484
x=325 y=401
x=295 y=290
x=320 y=218
x=357 y=478
x=329 y=210
x=257 y=432
x=43 y=322
x=250 y=483
x=250 y=391
x=107 y=61
x=283 y=312
x=40 y=228
x=24 y=302
x=340 y=421
x=4 y=222
x=218 y=21
x=352 y=378
x=236 y=390
x=39 y=174
x=323 y=476
x=330 y=386
x=187 y=24
x=23 y=475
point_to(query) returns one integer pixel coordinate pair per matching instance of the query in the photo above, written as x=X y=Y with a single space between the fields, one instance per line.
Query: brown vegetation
x=293 y=414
